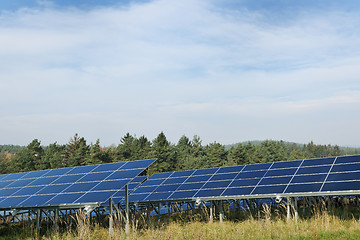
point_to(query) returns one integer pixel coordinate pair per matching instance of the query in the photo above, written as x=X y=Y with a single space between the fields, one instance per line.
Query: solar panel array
x=292 y=177
x=74 y=185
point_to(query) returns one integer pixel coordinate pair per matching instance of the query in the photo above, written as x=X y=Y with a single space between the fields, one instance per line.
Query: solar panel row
x=301 y=176
x=74 y=185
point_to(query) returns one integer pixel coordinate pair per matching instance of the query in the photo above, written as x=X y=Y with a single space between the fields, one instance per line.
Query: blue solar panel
x=19 y=183
x=224 y=176
x=175 y=180
x=183 y=173
x=255 y=174
x=300 y=176
x=290 y=164
x=183 y=194
x=152 y=182
x=109 y=167
x=261 y=166
x=239 y=191
x=275 y=180
x=281 y=172
x=190 y=186
x=35 y=174
x=200 y=178
x=341 y=186
x=14 y=176
x=309 y=178
x=208 y=192
x=269 y=189
x=346 y=167
x=348 y=159
x=245 y=182
x=205 y=171
x=85 y=184
x=235 y=169
x=37 y=200
x=56 y=172
x=343 y=176
x=319 y=161
x=309 y=187
x=158 y=196
x=217 y=184
x=66 y=198
x=314 y=170
x=161 y=175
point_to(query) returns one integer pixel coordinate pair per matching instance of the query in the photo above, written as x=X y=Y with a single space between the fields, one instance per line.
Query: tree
x=183 y=152
x=143 y=148
x=271 y=151
x=76 y=151
x=164 y=153
x=237 y=155
x=97 y=155
x=29 y=158
x=54 y=156
x=126 y=149
x=216 y=155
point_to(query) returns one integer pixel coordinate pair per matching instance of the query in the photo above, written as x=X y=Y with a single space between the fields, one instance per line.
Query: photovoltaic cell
x=261 y=166
x=314 y=170
x=318 y=161
x=341 y=186
x=310 y=187
x=309 y=178
x=85 y=184
x=289 y=164
x=300 y=176
x=347 y=159
x=269 y=189
x=346 y=167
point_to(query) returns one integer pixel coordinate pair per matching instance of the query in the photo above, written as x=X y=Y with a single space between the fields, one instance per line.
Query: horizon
x=253 y=142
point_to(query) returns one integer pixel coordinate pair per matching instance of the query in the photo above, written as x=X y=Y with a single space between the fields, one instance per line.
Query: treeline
x=185 y=154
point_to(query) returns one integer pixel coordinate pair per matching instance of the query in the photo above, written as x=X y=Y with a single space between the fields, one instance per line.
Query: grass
x=267 y=225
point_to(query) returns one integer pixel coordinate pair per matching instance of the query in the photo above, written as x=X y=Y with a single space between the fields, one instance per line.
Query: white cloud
x=178 y=66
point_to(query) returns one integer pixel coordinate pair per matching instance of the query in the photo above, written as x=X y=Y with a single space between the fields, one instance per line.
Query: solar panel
x=74 y=185
x=326 y=176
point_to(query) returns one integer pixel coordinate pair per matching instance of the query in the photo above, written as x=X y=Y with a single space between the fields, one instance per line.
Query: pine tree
x=76 y=151
x=216 y=155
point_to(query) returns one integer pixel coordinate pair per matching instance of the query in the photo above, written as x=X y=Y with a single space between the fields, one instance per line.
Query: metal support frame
x=211 y=217
x=221 y=211
x=288 y=216
x=127 y=209
x=296 y=209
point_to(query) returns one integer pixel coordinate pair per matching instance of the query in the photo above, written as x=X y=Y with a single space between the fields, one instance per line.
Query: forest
x=185 y=154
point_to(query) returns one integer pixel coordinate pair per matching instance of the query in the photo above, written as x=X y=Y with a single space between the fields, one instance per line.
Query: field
x=319 y=226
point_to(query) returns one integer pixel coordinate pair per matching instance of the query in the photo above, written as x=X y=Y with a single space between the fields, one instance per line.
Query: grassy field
x=320 y=226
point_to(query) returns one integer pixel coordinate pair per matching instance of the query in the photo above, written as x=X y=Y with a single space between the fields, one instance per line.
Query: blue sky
x=228 y=71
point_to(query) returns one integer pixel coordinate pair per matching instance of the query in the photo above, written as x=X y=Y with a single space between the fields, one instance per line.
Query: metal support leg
x=211 y=218
x=127 y=223
x=296 y=209
x=288 y=209
x=221 y=210
x=38 y=219
x=148 y=215
x=56 y=220
x=111 y=218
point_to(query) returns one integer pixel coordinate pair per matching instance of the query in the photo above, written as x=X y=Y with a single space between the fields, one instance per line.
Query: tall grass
x=265 y=223
x=320 y=226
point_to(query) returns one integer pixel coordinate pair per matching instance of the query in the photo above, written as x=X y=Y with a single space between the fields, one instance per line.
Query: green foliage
x=77 y=152
x=216 y=155
x=186 y=154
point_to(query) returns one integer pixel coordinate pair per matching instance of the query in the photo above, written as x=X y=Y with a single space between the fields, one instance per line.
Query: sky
x=228 y=71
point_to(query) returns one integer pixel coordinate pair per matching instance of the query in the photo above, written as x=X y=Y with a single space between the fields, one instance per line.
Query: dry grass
x=320 y=226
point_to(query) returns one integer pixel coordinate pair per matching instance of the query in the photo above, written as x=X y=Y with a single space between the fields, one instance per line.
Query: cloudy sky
x=228 y=71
